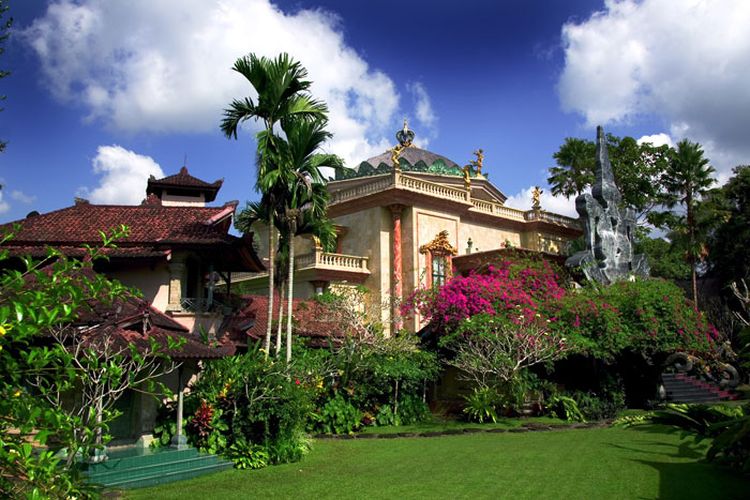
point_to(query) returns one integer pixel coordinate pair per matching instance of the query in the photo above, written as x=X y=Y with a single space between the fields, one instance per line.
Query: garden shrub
x=249 y=405
x=338 y=416
x=383 y=379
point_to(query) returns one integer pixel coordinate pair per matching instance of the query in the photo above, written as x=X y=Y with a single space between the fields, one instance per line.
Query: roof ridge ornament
x=405 y=138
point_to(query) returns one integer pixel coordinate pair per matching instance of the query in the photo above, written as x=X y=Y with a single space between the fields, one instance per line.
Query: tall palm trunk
x=271 y=266
x=290 y=294
x=282 y=293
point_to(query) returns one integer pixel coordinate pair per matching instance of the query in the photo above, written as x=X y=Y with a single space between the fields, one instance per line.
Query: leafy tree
x=664 y=259
x=729 y=256
x=687 y=178
x=44 y=357
x=637 y=169
x=4 y=27
x=282 y=91
x=301 y=189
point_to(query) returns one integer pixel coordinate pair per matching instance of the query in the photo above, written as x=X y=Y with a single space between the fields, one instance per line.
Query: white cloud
x=660 y=139
x=22 y=197
x=556 y=204
x=4 y=205
x=165 y=66
x=123 y=176
x=684 y=62
x=422 y=105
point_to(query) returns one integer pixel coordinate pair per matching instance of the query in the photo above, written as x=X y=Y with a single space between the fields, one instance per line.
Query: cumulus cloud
x=684 y=62
x=422 y=104
x=165 y=66
x=22 y=197
x=660 y=139
x=550 y=203
x=123 y=176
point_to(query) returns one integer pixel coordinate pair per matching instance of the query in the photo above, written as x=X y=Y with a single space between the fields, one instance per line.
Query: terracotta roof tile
x=149 y=224
x=309 y=320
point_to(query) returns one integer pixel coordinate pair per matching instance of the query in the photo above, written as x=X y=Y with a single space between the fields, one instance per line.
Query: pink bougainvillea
x=506 y=289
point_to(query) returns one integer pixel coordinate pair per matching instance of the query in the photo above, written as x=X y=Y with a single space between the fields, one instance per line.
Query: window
x=438 y=270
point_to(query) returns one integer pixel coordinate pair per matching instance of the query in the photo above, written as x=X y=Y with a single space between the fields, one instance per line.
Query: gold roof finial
x=536 y=195
x=477 y=164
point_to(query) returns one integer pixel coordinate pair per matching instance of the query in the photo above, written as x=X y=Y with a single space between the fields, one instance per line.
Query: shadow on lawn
x=684 y=481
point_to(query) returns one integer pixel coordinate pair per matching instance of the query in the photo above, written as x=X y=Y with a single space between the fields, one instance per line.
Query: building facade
x=402 y=216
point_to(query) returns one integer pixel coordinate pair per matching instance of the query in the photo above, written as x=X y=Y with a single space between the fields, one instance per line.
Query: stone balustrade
x=431 y=188
x=408 y=183
x=333 y=261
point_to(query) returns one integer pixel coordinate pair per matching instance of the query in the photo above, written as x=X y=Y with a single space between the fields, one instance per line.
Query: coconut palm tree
x=688 y=177
x=282 y=91
x=299 y=181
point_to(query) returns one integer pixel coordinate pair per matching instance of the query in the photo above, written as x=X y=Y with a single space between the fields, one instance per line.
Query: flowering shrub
x=512 y=289
x=648 y=316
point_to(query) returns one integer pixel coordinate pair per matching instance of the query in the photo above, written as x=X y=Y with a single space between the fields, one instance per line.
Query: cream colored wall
x=153 y=283
x=485 y=237
x=302 y=244
x=172 y=200
x=369 y=235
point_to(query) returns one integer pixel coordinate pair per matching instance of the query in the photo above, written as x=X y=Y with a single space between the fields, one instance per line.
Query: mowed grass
x=607 y=463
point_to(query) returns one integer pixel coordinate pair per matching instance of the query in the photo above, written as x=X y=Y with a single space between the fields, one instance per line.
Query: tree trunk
x=271 y=253
x=290 y=295
x=692 y=246
x=282 y=293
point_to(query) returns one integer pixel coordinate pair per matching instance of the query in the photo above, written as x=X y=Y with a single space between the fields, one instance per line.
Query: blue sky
x=104 y=93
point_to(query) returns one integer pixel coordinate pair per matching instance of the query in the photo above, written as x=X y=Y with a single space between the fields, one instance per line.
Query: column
x=396 y=275
x=176 y=274
x=179 y=441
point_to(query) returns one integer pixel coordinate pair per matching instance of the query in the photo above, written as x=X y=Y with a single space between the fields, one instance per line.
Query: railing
x=387 y=181
x=334 y=261
x=433 y=189
x=203 y=305
x=381 y=184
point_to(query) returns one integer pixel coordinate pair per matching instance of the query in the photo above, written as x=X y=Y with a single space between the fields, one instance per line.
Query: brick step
x=685 y=388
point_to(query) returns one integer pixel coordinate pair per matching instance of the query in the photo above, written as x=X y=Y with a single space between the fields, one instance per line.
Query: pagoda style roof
x=183 y=183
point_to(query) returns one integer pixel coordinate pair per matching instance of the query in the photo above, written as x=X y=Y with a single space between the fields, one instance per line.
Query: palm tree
x=687 y=178
x=282 y=91
x=299 y=180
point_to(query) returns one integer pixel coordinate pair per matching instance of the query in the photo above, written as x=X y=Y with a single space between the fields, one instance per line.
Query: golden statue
x=536 y=194
x=467 y=176
x=477 y=164
x=395 y=153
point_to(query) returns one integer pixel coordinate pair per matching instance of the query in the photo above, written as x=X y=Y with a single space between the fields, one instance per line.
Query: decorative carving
x=608 y=227
x=477 y=164
x=536 y=195
x=439 y=246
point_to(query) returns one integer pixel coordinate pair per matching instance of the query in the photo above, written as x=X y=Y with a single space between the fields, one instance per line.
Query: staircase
x=137 y=468
x=683 y=388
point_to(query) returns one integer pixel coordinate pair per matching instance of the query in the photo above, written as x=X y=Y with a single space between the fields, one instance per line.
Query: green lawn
x=571 y=464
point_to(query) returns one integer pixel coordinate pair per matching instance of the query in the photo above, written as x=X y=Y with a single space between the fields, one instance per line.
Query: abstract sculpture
x=608 y=228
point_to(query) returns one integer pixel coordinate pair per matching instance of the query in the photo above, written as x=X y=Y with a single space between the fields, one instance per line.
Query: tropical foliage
x=44 y=433
x=282 y=93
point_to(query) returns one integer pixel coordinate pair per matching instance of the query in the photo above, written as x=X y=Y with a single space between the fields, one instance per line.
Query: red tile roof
x=310 y=318
x=81 y=223
x=184 y=182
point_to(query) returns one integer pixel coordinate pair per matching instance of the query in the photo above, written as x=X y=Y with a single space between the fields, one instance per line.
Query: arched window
x=438 y=254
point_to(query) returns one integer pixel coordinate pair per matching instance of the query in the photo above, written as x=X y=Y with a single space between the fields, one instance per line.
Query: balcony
x=326 y=265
